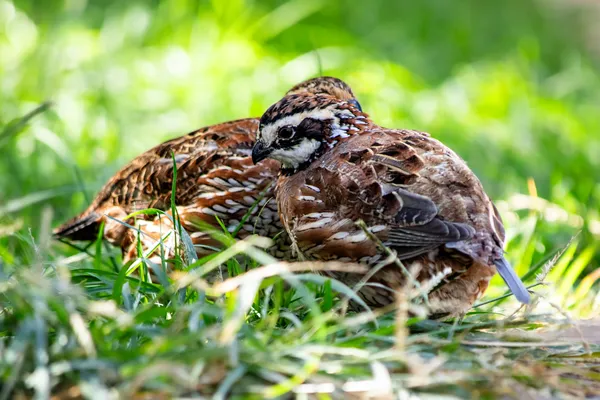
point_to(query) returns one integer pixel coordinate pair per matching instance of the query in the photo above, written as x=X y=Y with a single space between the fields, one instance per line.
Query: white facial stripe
x=269 y=133
x=294 y=156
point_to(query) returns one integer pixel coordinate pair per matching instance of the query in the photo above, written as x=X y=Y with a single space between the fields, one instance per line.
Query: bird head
x=326 y=85
x=302 y=126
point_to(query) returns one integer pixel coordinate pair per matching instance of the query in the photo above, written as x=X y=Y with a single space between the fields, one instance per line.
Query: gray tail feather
x=513 y=282
x=80 y=228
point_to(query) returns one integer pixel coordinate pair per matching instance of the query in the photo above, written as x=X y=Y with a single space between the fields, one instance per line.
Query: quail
x=215 y=178
x=414 y=195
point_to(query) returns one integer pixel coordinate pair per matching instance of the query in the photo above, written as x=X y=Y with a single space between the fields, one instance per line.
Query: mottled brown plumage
x=213 y=166
x=415 y=194
x=215 y=177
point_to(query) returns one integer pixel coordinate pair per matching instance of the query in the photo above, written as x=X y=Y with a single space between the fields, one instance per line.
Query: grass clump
x=272 y=331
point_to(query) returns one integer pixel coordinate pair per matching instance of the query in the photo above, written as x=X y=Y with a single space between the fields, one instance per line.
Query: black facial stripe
x=312 y=128
x=294 y=104
x=309 y=128
x=281 y=143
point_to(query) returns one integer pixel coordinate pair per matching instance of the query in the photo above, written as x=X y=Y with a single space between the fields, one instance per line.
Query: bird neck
x=349 y=122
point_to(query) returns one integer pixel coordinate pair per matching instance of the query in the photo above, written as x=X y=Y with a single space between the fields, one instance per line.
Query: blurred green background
x=512 y=86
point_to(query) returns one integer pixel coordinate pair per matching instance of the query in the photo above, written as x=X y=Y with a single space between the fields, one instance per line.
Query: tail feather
x=513 y=282
x=80 y=228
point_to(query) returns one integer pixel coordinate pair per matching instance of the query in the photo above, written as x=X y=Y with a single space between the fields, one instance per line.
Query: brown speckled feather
x=415 y=194
x=406 y=187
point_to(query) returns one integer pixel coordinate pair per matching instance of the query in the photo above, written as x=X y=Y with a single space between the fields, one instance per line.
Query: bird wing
x=417 y=227
x=389 y=168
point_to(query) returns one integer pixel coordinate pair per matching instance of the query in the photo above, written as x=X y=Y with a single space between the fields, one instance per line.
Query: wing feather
x=417 y=227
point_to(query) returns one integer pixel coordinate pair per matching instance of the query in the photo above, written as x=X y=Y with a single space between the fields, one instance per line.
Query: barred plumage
x=412 y=192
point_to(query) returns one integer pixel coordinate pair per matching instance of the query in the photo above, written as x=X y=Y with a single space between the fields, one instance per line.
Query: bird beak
x=259 y=152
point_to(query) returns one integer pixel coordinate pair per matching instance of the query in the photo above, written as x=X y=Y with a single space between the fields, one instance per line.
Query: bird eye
x=356 y=104
x=286 y=132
